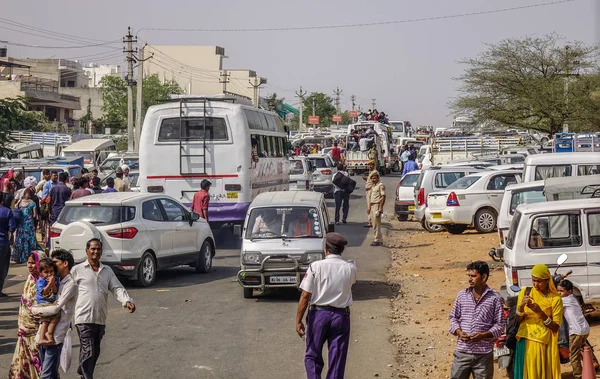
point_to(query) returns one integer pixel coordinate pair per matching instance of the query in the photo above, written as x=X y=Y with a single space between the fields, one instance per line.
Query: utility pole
x=301 y=97
x=567 y=75
x=337 y=94
x=129 y=40
x=256 y=86
x=138 y=107
x=373 y=102
x=224 y=80
x=353 y=100
x=314 y=106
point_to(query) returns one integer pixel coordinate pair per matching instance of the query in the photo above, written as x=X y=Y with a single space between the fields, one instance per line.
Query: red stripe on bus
x=191 y=176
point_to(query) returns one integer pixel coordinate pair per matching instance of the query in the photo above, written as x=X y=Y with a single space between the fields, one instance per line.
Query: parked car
x=301 y=178
x=472 y=200
x=405 y=201
x=540 y=233
x=141 y=233
x=283 y=233
x=324 y=169
x=436 y=178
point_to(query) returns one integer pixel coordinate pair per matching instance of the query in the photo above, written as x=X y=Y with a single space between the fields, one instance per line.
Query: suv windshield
x=278 y=222
x=296 y=167
x=96 y=214
x=319 y=162
x=464 y=182
x=133 y=175
x=529 y=196
x=113 y=163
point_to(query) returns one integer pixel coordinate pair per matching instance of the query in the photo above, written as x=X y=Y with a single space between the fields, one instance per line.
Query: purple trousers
x=332 y=326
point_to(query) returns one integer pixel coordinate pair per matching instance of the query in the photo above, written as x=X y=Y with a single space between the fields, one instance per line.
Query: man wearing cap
x=375 y=209
x=201 y=199
x=327 y=289
x=368 y=186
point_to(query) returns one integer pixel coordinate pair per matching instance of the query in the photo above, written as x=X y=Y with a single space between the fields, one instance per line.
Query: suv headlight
x=313 y=256
x=251 y=257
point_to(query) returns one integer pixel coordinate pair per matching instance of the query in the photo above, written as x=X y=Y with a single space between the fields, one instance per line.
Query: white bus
x=179 y=147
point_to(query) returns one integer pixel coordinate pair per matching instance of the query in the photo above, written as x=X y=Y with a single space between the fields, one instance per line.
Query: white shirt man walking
x=65 y=304
x=94 y=280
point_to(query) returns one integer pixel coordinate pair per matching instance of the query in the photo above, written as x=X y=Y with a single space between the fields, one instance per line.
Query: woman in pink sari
x=26 y=360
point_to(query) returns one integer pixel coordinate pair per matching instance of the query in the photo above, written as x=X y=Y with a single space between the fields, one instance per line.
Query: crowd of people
x=374 y=115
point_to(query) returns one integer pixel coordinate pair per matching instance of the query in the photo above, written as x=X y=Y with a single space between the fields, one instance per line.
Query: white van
x=540 y=233
x=283 y=233
x=94 y=151
x=544 y=166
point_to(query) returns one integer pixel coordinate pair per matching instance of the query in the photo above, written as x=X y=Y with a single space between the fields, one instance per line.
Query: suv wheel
x=205 y=256
x=456 y=228
x=431 y=228
x=146 y=271
x=485 y=221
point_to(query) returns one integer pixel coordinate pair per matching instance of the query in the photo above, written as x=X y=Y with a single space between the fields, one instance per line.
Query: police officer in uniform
x=327 y=289
x=376 y=199
x=368 y=185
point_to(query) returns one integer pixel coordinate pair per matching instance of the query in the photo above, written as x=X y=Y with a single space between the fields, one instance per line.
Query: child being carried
x=46 y=290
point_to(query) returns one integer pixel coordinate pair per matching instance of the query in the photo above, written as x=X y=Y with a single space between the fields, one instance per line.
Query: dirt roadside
x=430 y=270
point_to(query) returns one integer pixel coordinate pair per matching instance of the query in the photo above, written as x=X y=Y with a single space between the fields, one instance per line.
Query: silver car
x=324 y=170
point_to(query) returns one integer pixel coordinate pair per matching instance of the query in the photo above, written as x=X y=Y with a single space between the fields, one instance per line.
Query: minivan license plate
x=436 y=215
x=411 y=207
x=282 y=279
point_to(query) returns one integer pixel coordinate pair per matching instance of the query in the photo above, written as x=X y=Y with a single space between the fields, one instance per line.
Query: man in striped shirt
x=476 y=319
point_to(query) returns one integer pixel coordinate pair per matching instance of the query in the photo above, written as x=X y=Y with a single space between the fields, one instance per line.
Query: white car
x=301 y=178
x=141 y=233
x=405 y=202
x=325 y=168
x=472 y=200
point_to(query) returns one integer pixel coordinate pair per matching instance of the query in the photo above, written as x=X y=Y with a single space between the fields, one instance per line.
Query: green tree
x=114 y=97
x=522 y=83
x=322 y=105
x=15 y=116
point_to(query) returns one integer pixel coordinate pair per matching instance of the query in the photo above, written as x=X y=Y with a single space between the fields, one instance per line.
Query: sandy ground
x=430 y=269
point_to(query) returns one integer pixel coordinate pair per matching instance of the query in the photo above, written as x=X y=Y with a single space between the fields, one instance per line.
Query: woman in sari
x=26 y=361
x=540 y=314
x=26 y=241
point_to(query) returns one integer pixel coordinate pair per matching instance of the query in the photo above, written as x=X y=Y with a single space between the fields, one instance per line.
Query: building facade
x=96 y=72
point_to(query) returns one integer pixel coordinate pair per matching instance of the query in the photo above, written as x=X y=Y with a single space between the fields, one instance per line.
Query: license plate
x=411 y=207
x=282 y=279
x=232 y=195
x=501 y=351
x=293 y=186
x=436 y=215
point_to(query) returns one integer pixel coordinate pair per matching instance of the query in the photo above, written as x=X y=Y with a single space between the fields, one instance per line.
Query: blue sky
x=407 y=67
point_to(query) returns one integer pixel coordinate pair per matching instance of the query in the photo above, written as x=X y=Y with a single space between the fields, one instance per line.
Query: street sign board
x=353 y=113
x=336 y=118
x=314 y=120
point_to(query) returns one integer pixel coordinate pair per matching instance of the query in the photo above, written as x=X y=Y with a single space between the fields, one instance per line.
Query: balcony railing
x=38 y=84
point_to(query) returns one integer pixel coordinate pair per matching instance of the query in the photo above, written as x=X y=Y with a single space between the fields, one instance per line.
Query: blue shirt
x=109 y=190
x=7 y=224
x=46 y=189
x=39 y=287
x=409 y=166
x=59 y=195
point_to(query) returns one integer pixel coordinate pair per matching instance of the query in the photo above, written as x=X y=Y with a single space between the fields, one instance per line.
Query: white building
x=96 y=72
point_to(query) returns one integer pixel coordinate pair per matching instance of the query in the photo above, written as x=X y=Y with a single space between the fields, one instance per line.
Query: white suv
x=141 y=233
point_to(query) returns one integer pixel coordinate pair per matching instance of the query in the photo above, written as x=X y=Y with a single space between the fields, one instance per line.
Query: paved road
x=199 y=326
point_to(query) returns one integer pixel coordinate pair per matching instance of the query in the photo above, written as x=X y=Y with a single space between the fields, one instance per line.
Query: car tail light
x=55 y=232
x=326 y=172
x=421 y=197
x=307 y=185
x=452 y=200
x=126 y=233
x=515 y=277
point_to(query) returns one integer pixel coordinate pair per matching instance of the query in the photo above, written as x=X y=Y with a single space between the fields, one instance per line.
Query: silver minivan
x=283 y=233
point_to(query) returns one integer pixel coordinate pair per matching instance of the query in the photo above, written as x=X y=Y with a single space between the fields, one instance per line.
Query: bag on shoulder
x=512 y=327
x=345 y=183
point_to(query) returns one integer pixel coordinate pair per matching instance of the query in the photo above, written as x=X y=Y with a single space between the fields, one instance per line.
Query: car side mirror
x=331 y=227
x=194 y=217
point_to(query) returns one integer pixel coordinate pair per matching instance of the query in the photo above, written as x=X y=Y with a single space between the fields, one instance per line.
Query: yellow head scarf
x=541 y=271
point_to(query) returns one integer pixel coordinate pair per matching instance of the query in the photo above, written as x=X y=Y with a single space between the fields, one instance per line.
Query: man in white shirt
x=327 y=287
x=94 y=280
x=65 y=304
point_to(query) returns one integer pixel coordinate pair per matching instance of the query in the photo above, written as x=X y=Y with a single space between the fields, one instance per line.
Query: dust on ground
x=430 y=269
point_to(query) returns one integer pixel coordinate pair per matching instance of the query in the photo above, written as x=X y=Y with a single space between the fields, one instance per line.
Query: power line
x=361 y=25
x=46 y=31
x=57 y=47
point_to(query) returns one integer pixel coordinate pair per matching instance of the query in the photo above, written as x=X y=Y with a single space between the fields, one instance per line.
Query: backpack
x=512 y=327
x=345 y=183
